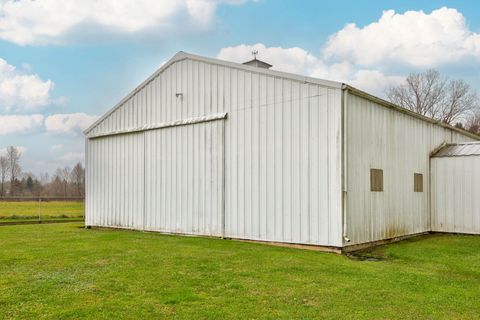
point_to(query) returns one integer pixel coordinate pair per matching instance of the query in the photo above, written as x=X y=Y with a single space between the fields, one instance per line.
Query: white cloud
x=300 y=61
x=72 y=123
x=28 y=22
x=294 y=60
x=21 y=91
x=374 y=81
x=367 y=56
x=14 y=124
x=369 y=80
x=57 y=147
x=73 y=157
x=22 y=149
x=413 y=38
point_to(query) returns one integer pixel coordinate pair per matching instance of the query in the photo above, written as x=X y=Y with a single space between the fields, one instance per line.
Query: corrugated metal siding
x=283 y=161
x=455 y=190
x=184 y=179
x=200 y=83
x=381 y=138
x=115 y=181
x=282 y=145
x=460 y=149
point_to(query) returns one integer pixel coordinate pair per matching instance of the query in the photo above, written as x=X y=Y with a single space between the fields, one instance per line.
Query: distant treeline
x=14 y=183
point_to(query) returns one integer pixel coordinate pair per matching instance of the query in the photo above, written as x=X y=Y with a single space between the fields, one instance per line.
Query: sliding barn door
x=184 y=179
x=115 y=181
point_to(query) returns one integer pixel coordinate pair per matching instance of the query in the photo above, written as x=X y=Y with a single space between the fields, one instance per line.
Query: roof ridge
x=181 y=55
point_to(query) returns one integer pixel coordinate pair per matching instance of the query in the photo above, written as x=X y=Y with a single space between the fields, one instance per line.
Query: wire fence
x=41 y=198
x=22 y=210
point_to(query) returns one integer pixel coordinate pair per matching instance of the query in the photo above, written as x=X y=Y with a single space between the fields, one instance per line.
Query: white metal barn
x=456 y=188
x=215 y=148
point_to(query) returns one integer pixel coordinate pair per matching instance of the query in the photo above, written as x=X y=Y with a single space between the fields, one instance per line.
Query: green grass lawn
x=63 y=271
x=31 y=210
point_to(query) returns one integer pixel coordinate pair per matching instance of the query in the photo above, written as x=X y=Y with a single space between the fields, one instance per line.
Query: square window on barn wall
x=418 y=182
x=376 y=180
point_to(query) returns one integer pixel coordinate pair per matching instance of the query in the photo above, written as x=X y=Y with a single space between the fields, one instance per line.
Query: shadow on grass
x=379 y=252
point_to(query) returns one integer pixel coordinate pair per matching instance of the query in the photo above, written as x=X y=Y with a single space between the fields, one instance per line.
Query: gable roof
x=183 y=55
x=258 y=63
x=326 y=83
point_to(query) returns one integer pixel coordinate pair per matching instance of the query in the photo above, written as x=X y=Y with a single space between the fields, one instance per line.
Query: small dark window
x=418 y=182
x=376 y=180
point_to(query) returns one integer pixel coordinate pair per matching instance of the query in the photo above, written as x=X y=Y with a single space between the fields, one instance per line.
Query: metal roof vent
x=257 y=63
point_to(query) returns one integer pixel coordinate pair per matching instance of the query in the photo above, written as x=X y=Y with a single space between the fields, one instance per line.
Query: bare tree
x=13 y=158
x=57 y=186
x=44 y=178
x=3 y=175
x=421 y=92
x=63 y=175
x=78 y=178
x=473 y=122
x=435 y=96
x=459 y=102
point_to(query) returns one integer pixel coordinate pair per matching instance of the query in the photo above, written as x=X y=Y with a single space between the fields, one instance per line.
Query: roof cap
x=258 y=63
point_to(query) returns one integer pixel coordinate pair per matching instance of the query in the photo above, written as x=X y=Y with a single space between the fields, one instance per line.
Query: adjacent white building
x=216 y=148
x=456 y=188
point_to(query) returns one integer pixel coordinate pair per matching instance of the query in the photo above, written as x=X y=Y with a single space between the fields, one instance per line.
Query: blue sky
x=58 y=73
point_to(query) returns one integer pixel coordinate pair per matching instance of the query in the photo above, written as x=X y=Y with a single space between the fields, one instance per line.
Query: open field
x=65 y=271
x=32 y=210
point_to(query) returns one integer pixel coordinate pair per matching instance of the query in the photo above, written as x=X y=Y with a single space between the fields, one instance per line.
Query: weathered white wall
x=399 y=144
x=282 y=151
x=184 y=179
x=115 y=181
x=156 y=101
x=455 y=194
x=280 y=159
x=283 y=161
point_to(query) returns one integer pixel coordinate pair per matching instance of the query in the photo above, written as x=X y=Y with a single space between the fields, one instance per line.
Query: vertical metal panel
x=296 y=196
x=89 y=221
x=400 y=145
x=171 y=184
x=115 y=180
x=455 y=190
x=282 y=151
